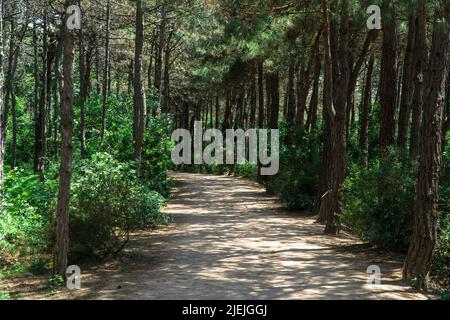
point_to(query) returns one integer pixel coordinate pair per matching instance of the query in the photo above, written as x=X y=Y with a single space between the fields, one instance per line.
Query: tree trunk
x=106 y=71
x=273 y=84
x=407 y=87
x=330 y=202
x=420 y=57
x=3 y=107
x=261 y=95
x=140 y=108
x=313 y=106
x=65 y=171
x=291 y=103
x=388 y=80
x=364 y=115
x=420 y=255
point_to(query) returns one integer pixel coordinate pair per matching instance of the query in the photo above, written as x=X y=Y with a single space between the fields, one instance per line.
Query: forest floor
x=230 y=240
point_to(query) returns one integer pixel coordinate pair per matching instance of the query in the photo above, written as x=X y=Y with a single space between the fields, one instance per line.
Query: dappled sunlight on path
x=229 y=240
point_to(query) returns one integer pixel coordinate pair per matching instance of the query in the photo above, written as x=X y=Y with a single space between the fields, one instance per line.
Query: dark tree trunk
x=291 y=102
x=364 y=115
x=420 y=57
x=105 y=91
x=329 y=208
x=274 y=89
x=65 y=171
x=407 y=87
x=313 y=106
x=420 y=255
x=3 y=107
x=261 y=95
x=217 y=112
x=388 y=80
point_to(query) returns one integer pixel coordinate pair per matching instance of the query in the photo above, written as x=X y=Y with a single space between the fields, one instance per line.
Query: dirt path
x=229 y=240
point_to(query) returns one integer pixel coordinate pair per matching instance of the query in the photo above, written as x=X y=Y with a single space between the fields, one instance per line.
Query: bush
x=108 y=203
x=25 y=214
x=441 y=262
x=156 y=156
x=378 y=201
x=300 y=164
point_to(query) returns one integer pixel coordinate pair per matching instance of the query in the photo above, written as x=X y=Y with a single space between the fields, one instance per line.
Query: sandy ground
x=229 y=240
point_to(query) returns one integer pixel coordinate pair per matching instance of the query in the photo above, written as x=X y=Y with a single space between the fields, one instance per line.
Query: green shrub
x=300 y=164
x=25 y=214
x=441 y=262
x=108 y=203
x=156 y=156
x=377 y=202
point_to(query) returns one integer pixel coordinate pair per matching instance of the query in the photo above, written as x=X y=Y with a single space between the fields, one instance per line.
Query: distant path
x=229 y=240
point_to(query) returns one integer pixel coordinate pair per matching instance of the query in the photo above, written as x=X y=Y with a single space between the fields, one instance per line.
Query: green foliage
x=300 y=165
x=25 y=215
x=56 y=281
x=156 y=160
x=441 y=263
x=108 y=203
x=377 y=201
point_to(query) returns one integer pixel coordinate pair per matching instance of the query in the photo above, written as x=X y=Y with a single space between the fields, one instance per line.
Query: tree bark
x=388 y=80
x=407 y=87
x=65 y=171
x=419 y=259
x=364 y=115
x=261 y=95
x=420 y=57
x=311 y=121
x=3 y=107
x=106 y=71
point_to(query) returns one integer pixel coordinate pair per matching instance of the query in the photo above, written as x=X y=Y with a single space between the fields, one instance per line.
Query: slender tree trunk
x=140 y=108
x=407 y=87
x=83 y=93
x=420 y=57
x=420 y=255
x=65 y=171
x=388 y=77
x=261 y=95
x=291 y=102
x=274 y=89
x=106 y=71
x=40 y=121
x=330 y=203
x=365 y=112
x=3 y=107
x=313 y=106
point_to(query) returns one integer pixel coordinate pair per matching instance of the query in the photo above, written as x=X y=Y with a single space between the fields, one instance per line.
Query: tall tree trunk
x=364 y=115
x=160 y=47
x=420 y=255
x=407 y=87
x=140 y=108
x=291 y=103
x=83 y=89
x=3 y=107
x=40 y=117
x=420 y=57
x=313 y=106
x=388 y=77
x=261 y=95
x=253 y=95
x=65 y=171
x=330 y=203
x=274 y=89
x=106 y=71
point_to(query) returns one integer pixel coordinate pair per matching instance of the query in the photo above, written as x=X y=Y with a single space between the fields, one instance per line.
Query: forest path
x=229 y=240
